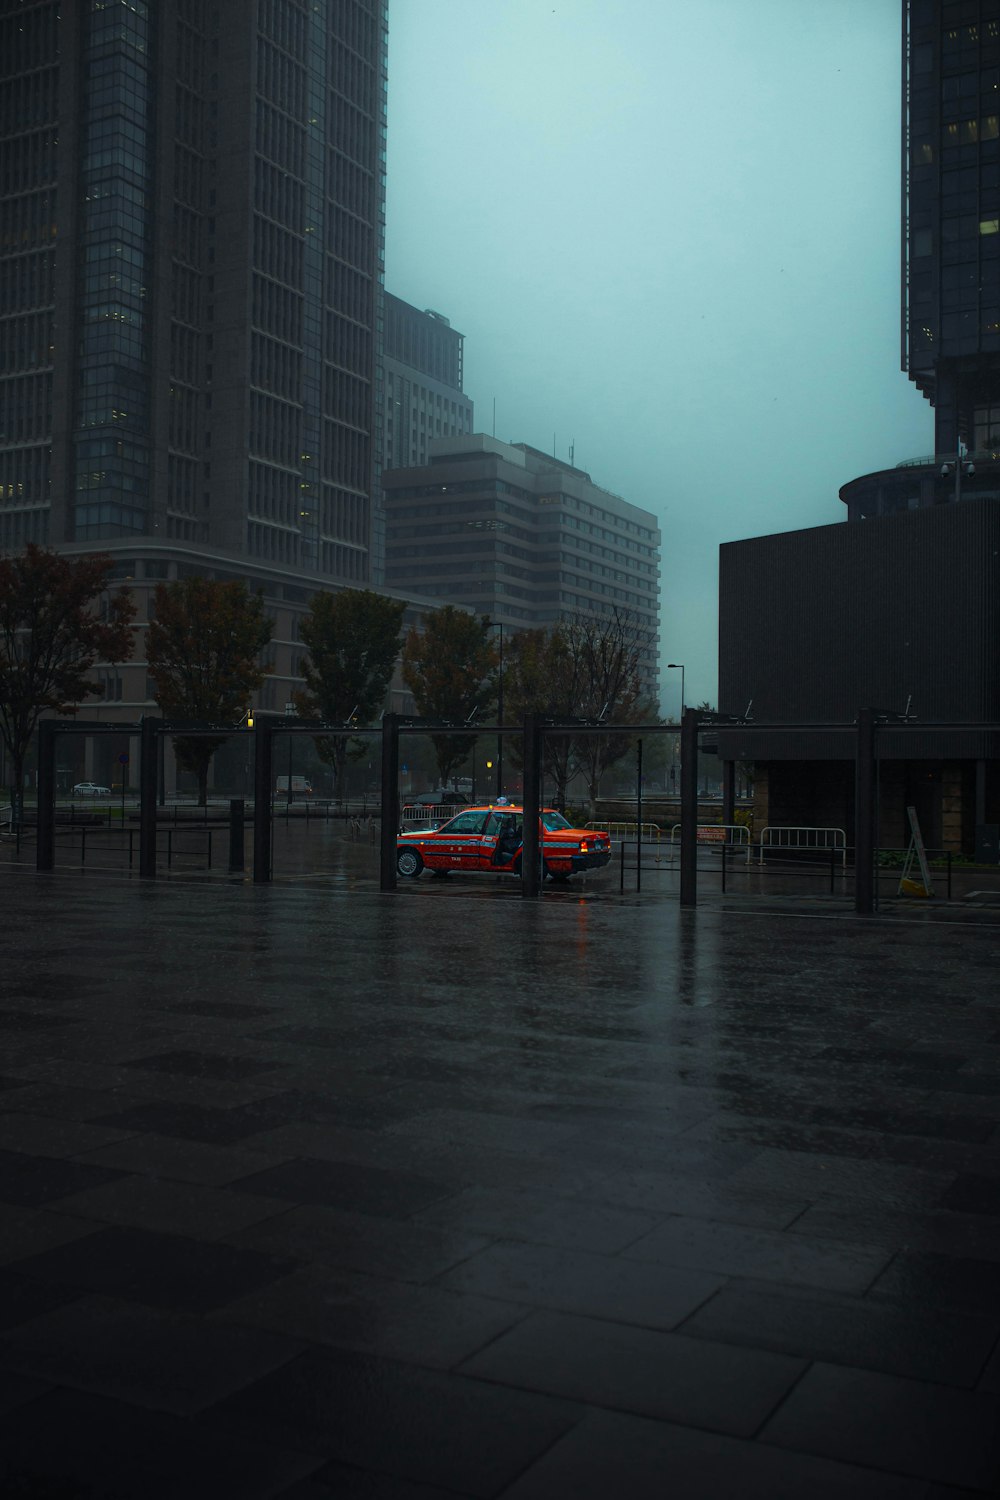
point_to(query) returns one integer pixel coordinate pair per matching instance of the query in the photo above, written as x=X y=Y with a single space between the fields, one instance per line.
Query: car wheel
x=551 y=874
x=409 y=863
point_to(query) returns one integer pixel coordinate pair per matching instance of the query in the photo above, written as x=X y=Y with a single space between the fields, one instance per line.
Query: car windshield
x=553 y=821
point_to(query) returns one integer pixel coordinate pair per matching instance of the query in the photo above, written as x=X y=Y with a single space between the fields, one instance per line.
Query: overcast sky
x=669 y=230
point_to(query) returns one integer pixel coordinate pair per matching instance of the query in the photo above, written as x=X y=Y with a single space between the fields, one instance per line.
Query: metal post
x=149 y=741
x=500 y=719
x=530 y=879
x=237 y=810
x=390 y=801
x=729 y=792
x=864 y=813
x=638 y=817
x=46 y=783
x=262 y=735
x=689 y=808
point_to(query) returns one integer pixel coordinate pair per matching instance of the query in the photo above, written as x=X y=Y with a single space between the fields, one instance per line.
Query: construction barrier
x=801 y=838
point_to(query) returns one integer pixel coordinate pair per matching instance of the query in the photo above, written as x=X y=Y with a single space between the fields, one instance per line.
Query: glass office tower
x=191 y=254
x=951 y=216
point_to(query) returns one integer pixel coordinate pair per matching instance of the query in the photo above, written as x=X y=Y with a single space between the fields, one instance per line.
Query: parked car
x=90 y=789
x=488 y=839
x=442 y=796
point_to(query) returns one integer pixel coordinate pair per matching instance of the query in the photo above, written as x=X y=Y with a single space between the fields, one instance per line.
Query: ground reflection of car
x=90 y=789
x=488 y=839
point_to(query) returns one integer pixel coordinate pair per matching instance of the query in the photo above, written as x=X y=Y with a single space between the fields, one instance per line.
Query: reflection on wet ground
x=307 y=1190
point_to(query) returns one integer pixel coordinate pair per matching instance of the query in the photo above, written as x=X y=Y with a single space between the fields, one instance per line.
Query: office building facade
x=515 y=534
x=951 y=216
x=422 y=379
x=192 y=199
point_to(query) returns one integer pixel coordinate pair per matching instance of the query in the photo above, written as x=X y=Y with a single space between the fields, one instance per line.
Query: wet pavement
x=309 y=1191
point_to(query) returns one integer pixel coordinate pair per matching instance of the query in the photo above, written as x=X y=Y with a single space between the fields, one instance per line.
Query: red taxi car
x=489 y=839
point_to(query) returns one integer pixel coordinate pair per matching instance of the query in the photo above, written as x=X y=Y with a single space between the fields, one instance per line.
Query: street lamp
x=290 y=713
x=500 y=715
x=676 y=666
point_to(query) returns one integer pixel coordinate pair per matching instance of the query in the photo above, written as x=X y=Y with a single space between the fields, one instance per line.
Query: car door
x=456 y=845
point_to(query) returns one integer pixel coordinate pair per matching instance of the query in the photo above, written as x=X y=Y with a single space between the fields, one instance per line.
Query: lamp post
x=500 y=716
x=677 y=666
x=290 y=712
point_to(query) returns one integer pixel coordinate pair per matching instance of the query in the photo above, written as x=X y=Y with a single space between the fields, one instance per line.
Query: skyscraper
x=951 y=208
x=192 y=209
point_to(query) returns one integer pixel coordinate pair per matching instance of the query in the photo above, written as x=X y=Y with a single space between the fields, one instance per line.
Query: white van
x=301 y=786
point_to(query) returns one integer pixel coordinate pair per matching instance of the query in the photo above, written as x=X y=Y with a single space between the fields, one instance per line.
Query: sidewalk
x=313 y=1192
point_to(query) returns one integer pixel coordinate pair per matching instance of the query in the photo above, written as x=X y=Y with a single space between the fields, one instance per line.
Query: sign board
x=123 y=758
x=711 y=835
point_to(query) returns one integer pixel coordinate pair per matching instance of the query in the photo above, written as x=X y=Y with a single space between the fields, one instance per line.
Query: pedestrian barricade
x=800 y=839
x=719 y=835
x=622 y=832
x=414 y=815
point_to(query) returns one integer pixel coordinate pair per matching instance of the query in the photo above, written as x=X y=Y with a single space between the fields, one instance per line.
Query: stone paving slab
x=309 y=1191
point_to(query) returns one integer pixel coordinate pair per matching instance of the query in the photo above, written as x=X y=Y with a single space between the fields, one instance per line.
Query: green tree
x=450 y=668
x=203 y=651
x=353 y=638
x=53 y=630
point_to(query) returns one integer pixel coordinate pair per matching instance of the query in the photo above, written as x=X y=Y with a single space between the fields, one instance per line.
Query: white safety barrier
x=804 y=838
x=651 y=832
x=415 y=816
x=726 y=835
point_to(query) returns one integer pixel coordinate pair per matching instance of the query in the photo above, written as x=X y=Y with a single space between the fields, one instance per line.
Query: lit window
x=989 y=226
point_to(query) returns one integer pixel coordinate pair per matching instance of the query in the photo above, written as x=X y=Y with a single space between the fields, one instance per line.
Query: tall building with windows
x=191 y=254
x=951 y=207
x=422 y=376
x=513 y=533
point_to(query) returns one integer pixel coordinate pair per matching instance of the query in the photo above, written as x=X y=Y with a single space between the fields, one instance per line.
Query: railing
x=802 y=838
x=651 y=832
x=101 y=839
x=935 y=460
x=719 y=835
x=417 y=816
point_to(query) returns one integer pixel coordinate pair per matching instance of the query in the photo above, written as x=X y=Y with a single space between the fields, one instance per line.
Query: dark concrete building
x=523 y=537
x=899 y=608
x=897 y=614
x=192 y=199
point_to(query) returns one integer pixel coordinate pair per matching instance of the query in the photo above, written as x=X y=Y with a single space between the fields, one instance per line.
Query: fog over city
x=669 y=230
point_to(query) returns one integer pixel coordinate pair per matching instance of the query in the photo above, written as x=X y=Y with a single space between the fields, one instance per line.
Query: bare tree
x=588 y=668
x=611 y=650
